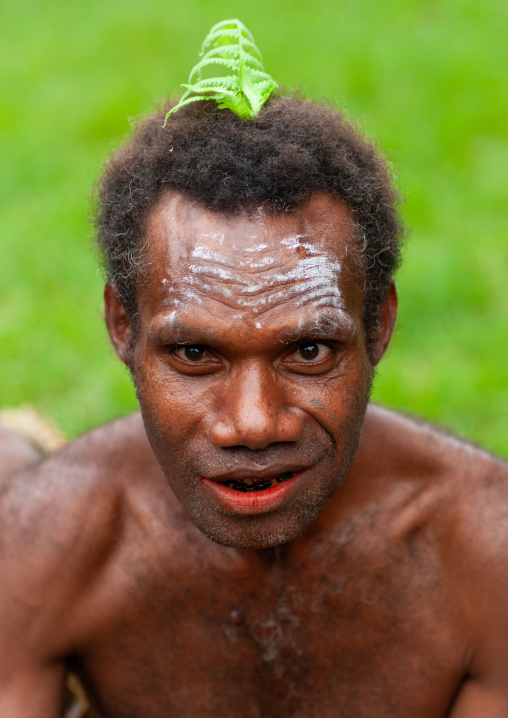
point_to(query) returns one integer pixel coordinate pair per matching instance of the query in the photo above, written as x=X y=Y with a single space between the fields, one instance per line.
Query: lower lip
x=254 y=502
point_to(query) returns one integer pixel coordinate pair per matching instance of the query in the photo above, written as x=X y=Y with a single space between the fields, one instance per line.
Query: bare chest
x=357 y=636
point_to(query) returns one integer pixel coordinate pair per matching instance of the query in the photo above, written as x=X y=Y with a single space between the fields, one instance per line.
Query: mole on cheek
x=317 y=404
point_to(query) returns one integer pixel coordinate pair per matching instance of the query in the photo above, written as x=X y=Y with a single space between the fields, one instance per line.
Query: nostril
x=252 y=412
x=230 y=432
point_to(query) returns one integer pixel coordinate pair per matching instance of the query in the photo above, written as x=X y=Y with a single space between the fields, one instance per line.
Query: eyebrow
x=180 y=333
x=338 y=325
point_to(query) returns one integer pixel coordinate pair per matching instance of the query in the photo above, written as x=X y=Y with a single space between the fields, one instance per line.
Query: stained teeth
x=262 y=485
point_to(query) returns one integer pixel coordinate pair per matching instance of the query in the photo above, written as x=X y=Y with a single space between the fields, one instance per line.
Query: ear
x=117 y=322
x=387 y=317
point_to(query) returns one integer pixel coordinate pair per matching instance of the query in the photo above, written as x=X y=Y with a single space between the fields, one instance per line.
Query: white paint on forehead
x=205 y=253
x=214 y=236
x=257 y=248
x=296 y=241
x=312 y=278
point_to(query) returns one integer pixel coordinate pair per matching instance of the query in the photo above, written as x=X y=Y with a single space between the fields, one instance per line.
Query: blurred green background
x=428 y=80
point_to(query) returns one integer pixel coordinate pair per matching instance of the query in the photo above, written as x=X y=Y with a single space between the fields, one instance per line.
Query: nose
x=253 y=412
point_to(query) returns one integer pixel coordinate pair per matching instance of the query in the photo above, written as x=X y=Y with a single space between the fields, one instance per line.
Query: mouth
x=251 y=484
x=250 y=495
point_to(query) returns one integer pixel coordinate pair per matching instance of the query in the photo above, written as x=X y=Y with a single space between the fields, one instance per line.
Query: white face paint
x=254 y=270
x=253 y=278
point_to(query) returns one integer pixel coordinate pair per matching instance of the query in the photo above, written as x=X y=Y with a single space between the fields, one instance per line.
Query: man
x=358 y=560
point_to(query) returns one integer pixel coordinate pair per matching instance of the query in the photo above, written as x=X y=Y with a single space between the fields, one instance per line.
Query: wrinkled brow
x=337 y=325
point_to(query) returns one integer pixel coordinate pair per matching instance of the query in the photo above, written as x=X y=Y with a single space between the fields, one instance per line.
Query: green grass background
x=428 y=80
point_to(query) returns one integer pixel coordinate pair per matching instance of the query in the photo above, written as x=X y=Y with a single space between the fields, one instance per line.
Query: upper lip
x=242 y=473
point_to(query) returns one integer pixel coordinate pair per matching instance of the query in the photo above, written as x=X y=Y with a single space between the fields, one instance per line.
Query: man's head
x=252 y=349
x=293 y=149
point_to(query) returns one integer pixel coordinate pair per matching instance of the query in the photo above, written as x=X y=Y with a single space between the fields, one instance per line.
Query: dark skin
x=376 y=587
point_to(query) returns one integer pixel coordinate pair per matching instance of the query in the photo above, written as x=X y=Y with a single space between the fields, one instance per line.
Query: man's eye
x=310 y=352
x=192 y=352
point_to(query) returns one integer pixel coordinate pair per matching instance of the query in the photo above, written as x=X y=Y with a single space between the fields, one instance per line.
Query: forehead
x=177 y=227
x=253 y=263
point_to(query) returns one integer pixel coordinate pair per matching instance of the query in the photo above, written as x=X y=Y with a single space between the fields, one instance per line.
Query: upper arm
x=30 y=690
x=481 y=566
x=31 y=672
x=55 y=540
x=32 y=642
x=476 y=699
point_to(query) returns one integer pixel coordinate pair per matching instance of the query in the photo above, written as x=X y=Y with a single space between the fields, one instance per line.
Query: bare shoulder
x=468 y=480
x=62 y=520
x=448 y=515
x=459 y=492
x=72 y=493
x=416 y=448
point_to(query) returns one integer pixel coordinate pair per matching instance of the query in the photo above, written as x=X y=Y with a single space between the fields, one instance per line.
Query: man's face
x=250 y=363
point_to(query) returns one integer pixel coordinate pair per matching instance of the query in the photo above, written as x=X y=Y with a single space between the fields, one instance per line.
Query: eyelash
x=303 y=345
x=176 y=347
x=332 y=346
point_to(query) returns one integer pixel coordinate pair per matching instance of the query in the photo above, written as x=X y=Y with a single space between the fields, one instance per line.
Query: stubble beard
x=256 y=532
x=282 y=525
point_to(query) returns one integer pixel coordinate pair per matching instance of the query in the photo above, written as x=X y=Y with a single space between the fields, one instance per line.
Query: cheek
x=171 y=404
x=337 y=401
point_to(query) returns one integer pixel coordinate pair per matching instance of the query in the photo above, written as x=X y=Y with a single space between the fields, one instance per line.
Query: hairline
x=144 y=259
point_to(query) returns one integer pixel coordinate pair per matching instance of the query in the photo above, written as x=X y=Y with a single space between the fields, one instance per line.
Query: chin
x=250 y=540
x=262 y=531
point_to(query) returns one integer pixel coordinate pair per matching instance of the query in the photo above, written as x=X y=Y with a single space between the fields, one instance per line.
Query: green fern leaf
x=230 y=44
x=222 y=39
x=213 y=82
x=226 y=54
x=210 y=63
x=225 y=24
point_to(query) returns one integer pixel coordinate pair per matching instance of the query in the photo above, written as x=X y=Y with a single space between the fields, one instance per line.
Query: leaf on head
x=230 y=44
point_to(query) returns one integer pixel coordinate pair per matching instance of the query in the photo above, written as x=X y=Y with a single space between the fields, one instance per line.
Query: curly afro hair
x=291 y=150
